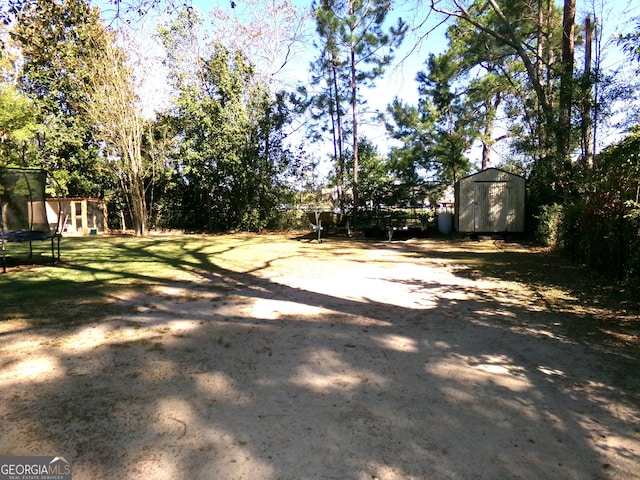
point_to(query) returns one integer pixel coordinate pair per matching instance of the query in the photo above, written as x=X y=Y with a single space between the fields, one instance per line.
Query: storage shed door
x=491 y=206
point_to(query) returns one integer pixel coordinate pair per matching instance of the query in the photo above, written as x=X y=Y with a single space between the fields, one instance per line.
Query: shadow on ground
x=341 y=360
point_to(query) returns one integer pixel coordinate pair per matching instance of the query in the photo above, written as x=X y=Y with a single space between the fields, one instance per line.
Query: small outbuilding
x=79 y=216
x=490 y=201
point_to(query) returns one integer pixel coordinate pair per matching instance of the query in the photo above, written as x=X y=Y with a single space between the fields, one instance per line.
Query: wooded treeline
x=214 y=160
x=525 y=84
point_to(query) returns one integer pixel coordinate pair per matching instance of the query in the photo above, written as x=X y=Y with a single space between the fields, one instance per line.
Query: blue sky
x=399 y=79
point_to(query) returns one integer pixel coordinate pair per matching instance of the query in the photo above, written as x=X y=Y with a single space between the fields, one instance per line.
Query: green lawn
x=92 y=271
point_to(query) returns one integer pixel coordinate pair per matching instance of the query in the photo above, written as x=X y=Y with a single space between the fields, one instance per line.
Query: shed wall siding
x=490 y=201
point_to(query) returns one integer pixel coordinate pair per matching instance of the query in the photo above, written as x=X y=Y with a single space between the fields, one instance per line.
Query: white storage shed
x=490 y=201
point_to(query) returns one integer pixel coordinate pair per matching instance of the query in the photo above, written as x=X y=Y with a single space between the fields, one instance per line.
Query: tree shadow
x=411 y=372
x=591 y=309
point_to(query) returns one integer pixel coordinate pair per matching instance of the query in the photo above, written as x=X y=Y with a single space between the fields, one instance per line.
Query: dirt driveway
x=288 y=359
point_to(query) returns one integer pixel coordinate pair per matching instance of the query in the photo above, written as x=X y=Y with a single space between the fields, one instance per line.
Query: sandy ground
x=328 y=361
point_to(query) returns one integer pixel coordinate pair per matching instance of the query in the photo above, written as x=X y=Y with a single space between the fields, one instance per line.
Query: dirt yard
x=289 y=359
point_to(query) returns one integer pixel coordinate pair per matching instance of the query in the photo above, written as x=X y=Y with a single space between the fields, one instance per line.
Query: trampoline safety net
x=23 y=211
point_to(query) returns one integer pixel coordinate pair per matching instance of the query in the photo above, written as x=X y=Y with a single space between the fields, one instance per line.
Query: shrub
x=549 y=227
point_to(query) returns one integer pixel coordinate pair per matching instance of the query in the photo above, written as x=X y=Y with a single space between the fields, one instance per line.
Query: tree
x=586 y=105
x=228 y=133
x=270 y=33
x=113 y=106
x=57 y=48
x=18 y=122
x=376 y=178
x=333 y=82
x=454 y=125
x=355 y=29
x=18 y=126
x=437 y=133
x=566 y=79
x=631 y=42
x=528 y=32
x=412 y=126
x=484 y=76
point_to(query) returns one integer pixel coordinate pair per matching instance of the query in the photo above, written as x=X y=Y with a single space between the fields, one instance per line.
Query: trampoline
x=23 y=211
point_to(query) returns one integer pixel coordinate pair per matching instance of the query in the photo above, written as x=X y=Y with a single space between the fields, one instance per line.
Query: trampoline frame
x=30 y=235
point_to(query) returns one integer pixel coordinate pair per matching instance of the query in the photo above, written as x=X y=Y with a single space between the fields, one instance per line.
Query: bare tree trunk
x=339 y=125
x=544 y=58
x=486 y=154
x=587 y=97
x=566 y=79
x=113 y=108
x=354 y=111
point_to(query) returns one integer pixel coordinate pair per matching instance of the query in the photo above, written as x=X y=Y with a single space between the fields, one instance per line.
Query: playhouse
x=79 y=216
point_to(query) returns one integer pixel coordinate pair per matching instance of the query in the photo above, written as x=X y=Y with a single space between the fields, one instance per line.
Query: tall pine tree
x=361 y=48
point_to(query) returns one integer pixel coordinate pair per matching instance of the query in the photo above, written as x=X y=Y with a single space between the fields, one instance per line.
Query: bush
x=292 y=219
x=550 y=223
x=597 y=220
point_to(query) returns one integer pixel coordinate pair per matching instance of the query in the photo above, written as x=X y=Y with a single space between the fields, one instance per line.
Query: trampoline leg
x=4 y=260
x=53 y=250
x=30 y=249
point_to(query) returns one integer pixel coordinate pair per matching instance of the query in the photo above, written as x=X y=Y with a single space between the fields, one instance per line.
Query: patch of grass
x=102 y=276
x=536 y=268
x=550 y=271
x=593 y=309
